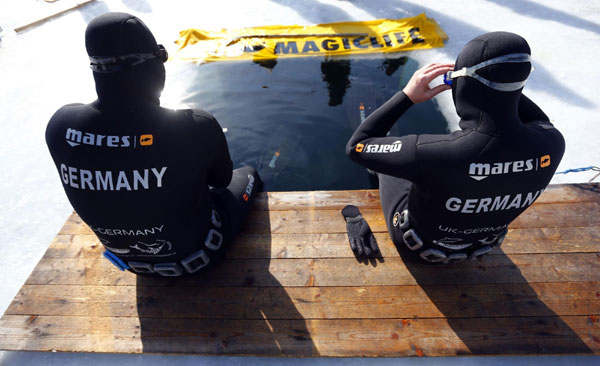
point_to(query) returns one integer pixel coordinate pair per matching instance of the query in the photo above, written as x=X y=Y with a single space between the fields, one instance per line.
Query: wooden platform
x=291 y=286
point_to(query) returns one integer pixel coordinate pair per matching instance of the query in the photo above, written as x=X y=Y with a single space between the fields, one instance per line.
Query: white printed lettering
x=103 y=180
x=453 y=204
x=88 y=139
x=531 y=197
x=137 y=178
x=498 y=204
x=516 y=202
x=106 y=183
x=73 y=177
x=113 y=141
x=63 y=173
x=469 y=206
x=122 y=181
x=159 y=175
x=86 y=177
x=489 y=204
x=75 y=138
x=480 y=171
x=483 y=205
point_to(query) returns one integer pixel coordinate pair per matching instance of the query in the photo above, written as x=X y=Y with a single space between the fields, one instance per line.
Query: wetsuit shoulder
x=67 y=116
x=221 y=166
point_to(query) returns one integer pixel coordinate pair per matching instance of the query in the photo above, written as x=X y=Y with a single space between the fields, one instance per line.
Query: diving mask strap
x=506 y=87
x=110 y=64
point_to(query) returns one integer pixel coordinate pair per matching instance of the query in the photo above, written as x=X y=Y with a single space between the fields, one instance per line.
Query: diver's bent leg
x=393 y=193
x=236 y=199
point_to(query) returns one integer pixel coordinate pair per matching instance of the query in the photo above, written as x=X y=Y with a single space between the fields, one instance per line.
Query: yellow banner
x=344 y=38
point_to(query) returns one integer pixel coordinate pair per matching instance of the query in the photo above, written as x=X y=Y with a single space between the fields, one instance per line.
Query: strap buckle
x=433 y=255
x=481 y=252
x=215 y=219
x=195 y=261
x=170 y=269
x=412 y=240
x=404 y=223
x=214 y=239
x=455 y=258
x=141 y=267
x=500 y=239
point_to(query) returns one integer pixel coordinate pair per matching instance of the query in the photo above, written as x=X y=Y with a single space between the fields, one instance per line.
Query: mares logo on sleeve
x=380 y=148
x=75 y=138
x=249 y=187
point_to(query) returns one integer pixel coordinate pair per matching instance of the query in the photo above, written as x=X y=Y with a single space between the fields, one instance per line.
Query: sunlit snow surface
x=46 y=67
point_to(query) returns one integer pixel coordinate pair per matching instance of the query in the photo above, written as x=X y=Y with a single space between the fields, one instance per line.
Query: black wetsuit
x=139 y=174
x=462 y=189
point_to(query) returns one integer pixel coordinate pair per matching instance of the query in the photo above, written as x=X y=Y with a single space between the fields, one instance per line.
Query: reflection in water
x=304 y=109
x=267 y=64
x=391 y=65
x=336 y=73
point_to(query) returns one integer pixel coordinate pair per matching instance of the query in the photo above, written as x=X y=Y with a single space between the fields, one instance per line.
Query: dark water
x=291 y=118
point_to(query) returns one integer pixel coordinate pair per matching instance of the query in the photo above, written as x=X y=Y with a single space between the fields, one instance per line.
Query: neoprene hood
x=479 y=106
x=117 y=34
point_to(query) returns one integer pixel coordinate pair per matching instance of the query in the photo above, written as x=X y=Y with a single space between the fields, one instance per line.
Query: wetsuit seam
x=466 y=133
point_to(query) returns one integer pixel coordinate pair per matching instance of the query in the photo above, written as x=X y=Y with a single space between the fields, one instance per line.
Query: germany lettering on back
x=107 y=180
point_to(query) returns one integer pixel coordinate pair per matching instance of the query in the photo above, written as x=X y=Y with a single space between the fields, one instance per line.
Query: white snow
x=46 y=67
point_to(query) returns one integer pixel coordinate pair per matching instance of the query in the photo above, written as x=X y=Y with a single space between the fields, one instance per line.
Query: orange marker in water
x=361 y=108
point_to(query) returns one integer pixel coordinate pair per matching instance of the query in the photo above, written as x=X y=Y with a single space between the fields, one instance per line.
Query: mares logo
x=480 y=171
x=545 y=161
x=75 y=138
x=249 y=187
x=379 y=149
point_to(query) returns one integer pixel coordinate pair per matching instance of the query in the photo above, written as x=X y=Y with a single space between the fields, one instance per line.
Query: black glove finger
x=366 y=248
x=353 y=245
x=373 y=243
x=359 y=247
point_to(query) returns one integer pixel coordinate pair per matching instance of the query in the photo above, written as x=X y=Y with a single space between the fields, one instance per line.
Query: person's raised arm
x=369 y=145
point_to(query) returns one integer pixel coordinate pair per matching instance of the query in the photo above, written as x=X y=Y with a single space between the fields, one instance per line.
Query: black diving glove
x=362 y=240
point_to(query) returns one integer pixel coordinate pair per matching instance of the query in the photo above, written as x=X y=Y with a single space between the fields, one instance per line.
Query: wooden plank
x=292 y=287
x=311 y=200
x=570 y=193
x=562 y=195
x=277 y=201
x=553 y=215
x=379 y=302
x=331 y=221
x=492 y=269
x=318 y=337
x=518 y=241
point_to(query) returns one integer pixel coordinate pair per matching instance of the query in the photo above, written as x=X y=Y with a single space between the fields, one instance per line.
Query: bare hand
x=418 y=89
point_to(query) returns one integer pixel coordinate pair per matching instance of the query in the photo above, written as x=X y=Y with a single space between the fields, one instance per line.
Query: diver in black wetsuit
x=155 y=185
x=450 y=197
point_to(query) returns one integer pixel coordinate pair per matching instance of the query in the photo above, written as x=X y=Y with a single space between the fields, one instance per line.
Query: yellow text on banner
x=343 y=38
